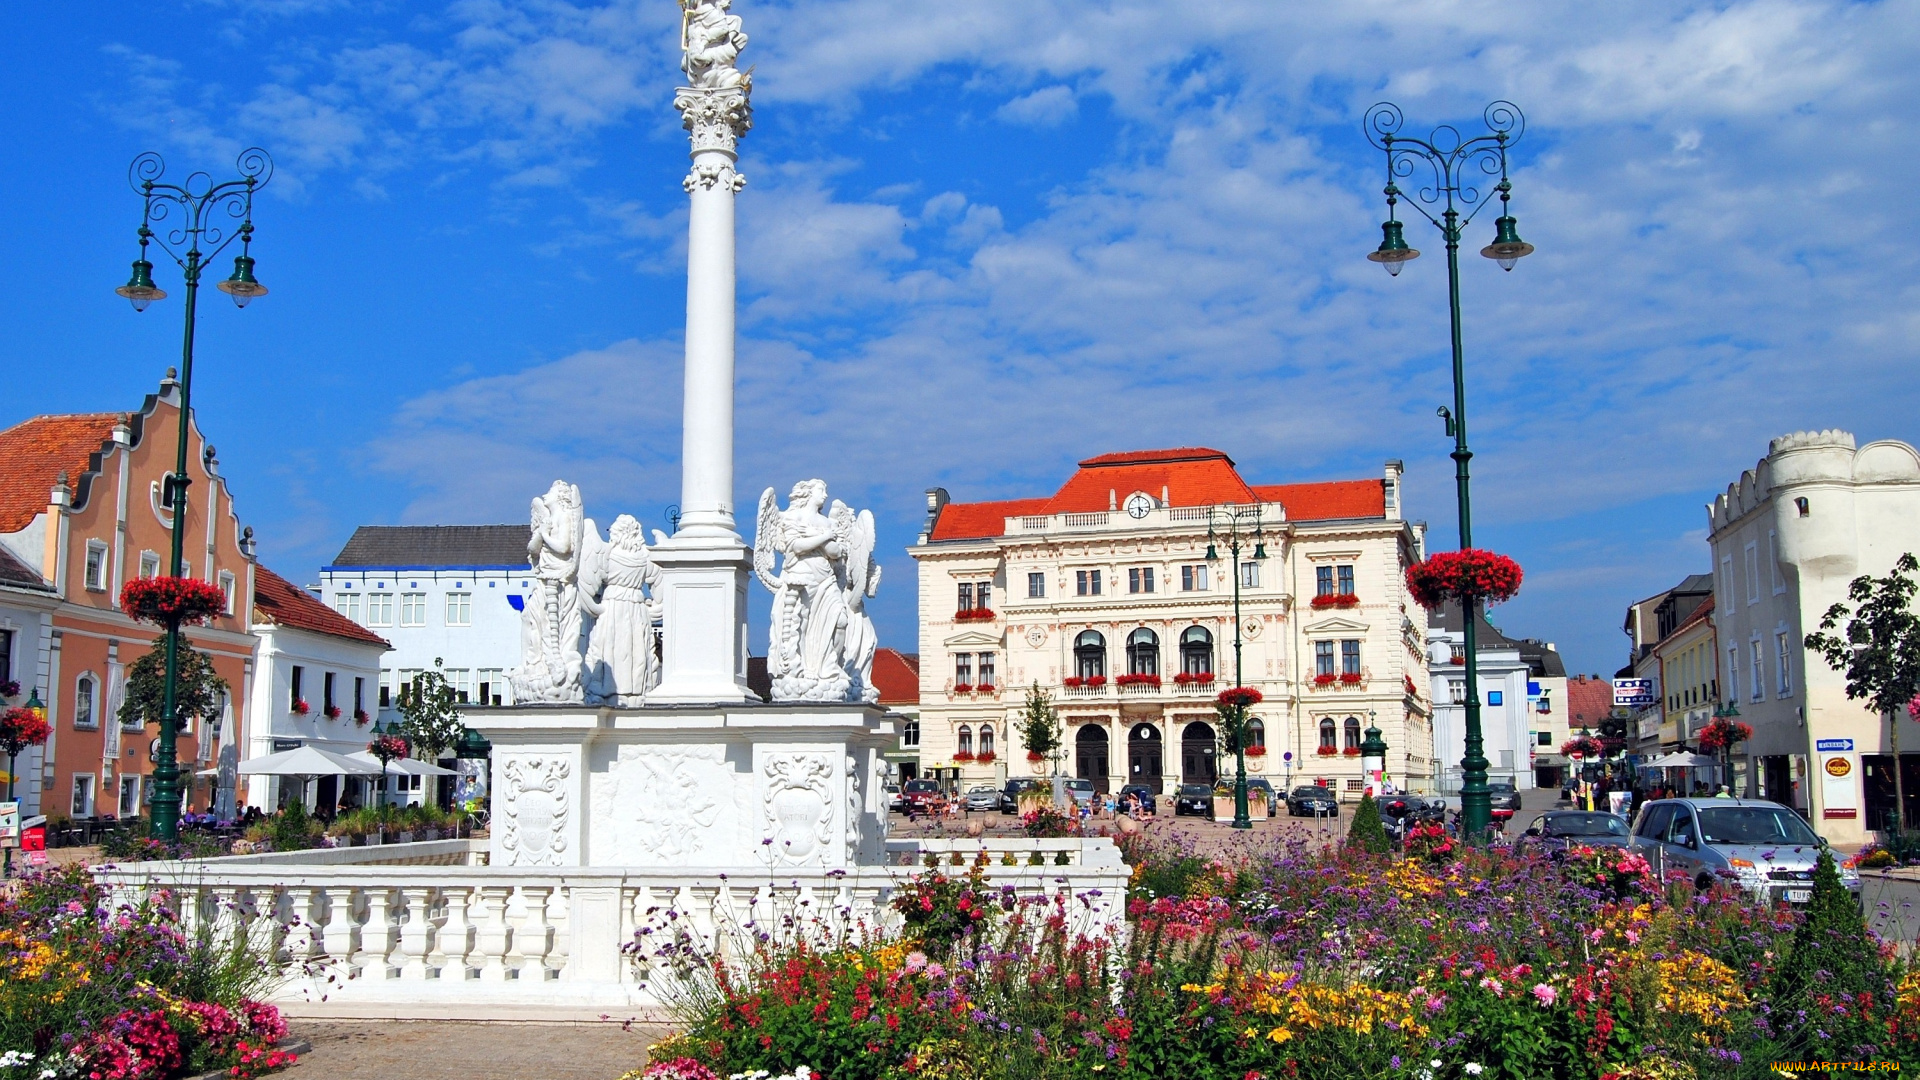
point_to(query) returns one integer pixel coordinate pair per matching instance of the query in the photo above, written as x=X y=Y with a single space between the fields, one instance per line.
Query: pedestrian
x=1723 y=793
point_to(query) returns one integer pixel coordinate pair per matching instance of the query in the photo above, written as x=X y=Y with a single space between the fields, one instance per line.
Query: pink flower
x=1491 y=983
x=1544 y=994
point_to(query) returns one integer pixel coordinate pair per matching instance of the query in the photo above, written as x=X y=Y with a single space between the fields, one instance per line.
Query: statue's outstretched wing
x=593 y=564
x=766 y=540
x=537 y=536
x=862 y=574
x=659 y=538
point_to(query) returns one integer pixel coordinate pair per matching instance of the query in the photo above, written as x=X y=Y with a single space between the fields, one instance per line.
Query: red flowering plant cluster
x=1722 y=733
x=388 y=748
x=1049 y=823
x=1256 y=751
x=361 y=718
x=21 y=728
x=938 y=911
x=1325 y=678
x=963 y=755
x=1585 y=745
x=1431 y=842
x=985 y=688
x=1351 y=751
x=1468 y=574
x=331 y=712
x=300 y=707
x=963 y=688
x=1138 y=679
x=9 y=688
x=985 y=756
x=170 y=601
x=1089 y=681
x=979 y=614
x=1036 y=756
x=1335 y=600
x=1193 y=678
x=1351 y=678
x=1243 y=697
x=1327 y=751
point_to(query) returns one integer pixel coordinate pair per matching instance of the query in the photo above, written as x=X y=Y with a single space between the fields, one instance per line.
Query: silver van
x=1766 y=847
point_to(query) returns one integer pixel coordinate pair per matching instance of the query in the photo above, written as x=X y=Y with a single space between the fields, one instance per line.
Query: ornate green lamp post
x=196 y=219
x=1450 y=190
x=1235 y=526
x=1373 y=758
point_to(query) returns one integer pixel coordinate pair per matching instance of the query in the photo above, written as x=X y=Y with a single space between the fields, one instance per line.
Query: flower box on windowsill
x=980 y=614
x=962 y=688
x=331 y=712
x=301 y=708
x=1088 y=682
x=986 y=688
x=985 y=757
x=1335 y=600
x=1351 y=751
x=1325 y=680
x=1351 y=678
x=1256 y=751
x=1138 y=680
x=963 y=756
x=361 y=718
x=1204 y=678
x=1326 y=751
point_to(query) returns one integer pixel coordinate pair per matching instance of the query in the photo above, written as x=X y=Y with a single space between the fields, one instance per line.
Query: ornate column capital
x=715 y=119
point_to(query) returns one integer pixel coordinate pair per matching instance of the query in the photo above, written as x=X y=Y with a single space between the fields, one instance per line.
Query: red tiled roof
x=1186 y=476
x=1588 y=702
x=897 y=675
x=281 y=602
x=33 y=454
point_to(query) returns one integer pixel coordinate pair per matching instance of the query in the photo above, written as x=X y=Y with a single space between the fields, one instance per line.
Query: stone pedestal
x=741 y=787
x=703 y=598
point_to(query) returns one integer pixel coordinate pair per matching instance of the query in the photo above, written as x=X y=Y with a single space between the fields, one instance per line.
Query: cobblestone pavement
x=464 y=1050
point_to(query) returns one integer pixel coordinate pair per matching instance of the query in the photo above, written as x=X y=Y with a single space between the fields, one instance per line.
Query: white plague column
x=704 y=566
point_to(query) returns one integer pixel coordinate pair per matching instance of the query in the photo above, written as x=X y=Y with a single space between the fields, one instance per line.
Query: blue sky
x=982 y=240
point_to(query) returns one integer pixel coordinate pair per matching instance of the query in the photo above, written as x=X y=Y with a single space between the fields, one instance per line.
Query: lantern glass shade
x=242 y=286
x=1393 y=251
x=140 y=289
x=1507 y=247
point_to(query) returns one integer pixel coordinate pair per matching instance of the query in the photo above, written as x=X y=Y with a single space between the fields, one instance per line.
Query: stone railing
x=1005 y=851
x=437 y=934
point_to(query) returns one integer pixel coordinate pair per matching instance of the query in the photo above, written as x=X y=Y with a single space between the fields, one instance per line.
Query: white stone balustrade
x=423 y=940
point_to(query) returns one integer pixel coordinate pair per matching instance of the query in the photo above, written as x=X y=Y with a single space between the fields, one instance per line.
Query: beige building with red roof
x=1103 y=594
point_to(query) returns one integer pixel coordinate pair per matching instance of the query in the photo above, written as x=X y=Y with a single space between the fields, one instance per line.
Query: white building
x=26 y=640
x=1105 y=595
x=451 y=593
x=1522 y=685
x=1787 y=538
x=316 y=683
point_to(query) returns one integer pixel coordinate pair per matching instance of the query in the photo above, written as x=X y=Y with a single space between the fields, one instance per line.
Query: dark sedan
x=1195 y=800
x=1138 y=798
x=1312 y=802
x=1010 y=798
x=1559 y=830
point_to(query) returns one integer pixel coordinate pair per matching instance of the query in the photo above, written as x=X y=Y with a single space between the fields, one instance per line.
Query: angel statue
x=710 y=41
x=862 y=582
x=808 y=657
x=551 y=618
x=615 y=580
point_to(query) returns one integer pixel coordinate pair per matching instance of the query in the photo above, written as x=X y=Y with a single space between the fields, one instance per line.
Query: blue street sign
x=1837 y=745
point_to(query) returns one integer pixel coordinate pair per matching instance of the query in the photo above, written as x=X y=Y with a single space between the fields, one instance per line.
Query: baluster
x=227 y=920
x=562 y=950
x=377 y=937
x=494 y=935
x=341 y=936
x=417 y=932
x=454 y=938
x=534 y=937
x=302 y=940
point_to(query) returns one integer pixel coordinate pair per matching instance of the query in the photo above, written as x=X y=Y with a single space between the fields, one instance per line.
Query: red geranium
x=1073 y=681
x=388 y=747
x=979 y=614
x=1470 y=573
x=1351 y=751
x=361 y=718
x=1585 y=745
x=1095 y=680
x=964 y=755
x=1335 y=600
x=985 y=756
x=1723 y=733
x=1326 y=751
x=165 y=601
x=985 y=688
x=1138 y=680
x=331 y=712
x=301 y=708
x=1351 y=678
x=1256 y=751
x=1186 y=678
x=963 y=688
x=1244 y=697
x=1035 y=755
x=21 y=728
x=1327 y=679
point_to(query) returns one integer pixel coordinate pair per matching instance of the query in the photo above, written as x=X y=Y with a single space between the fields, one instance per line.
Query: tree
x=430 y=714
x=1880 y=654
x=1833 y=960
x=196 y=692
x=1367 y=832
x=1039 y=724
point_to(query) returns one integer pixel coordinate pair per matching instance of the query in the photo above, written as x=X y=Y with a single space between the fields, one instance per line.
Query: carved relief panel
x=535 y=800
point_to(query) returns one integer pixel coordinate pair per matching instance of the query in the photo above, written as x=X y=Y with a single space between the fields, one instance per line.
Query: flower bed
x=88 y=990
x=168 y=600
x=1297 y=962
x=1334 y=600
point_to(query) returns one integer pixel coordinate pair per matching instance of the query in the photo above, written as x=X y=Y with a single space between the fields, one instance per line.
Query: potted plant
x=1325 y=679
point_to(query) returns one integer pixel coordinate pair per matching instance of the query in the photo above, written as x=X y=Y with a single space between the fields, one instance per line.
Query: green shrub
x=1367 y=833
x=1834 y=992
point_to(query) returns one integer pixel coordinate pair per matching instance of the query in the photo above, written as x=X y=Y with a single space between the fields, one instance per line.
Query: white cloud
x=1049 y=106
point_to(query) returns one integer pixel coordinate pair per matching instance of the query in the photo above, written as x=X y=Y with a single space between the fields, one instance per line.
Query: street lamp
x=206 y=211
x=1234 y=525
x=1453 y=194
x=1728 y=712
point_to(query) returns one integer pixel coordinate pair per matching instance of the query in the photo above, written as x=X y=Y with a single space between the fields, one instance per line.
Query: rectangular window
x=1140 y=579
x=326 y=690
x=1249 y=575
x=359 y=694
x=983 y=595
x=413 y=609
x=966 y=596
x=910 y=733
x=1392 y=495
x=294 y=681
x=459 y=609
x=1193 y=578
x=1753 y=572
x=493 y=684
x=1086 y=582
x=461 y=682
x=1356 y=785
x=386 y=687
x=963 y=669
x=226 y=590
x=1350 y=656
x=1346 y=580
x=348 y=604
x=1457 y=691
x=6 y=655
x=1323 y=658
x=1496 y=697
x=1543 y=738
x=1733 y=673
x=407 y=676
x=1757 y=687
x=379 y=609
x=1783 y=656
x=1323 y=581
x=1773 y=561
x=986 y=670
x=96 y=577
x=129 y=796
x=1726 y=582
x=82 y=795
x=83 y=702
x=149 y=564
x=1036 y=586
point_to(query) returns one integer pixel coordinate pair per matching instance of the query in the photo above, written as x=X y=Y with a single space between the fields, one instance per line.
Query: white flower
x=1472 y=1068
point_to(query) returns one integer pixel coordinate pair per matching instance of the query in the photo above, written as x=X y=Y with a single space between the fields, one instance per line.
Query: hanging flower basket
x=166 y=601
x=1256 y=751
x=1469 y=574
x=388 y=747
x=21 y=728
x=1722 y=734
x=1244 y=697
x=361 y=718
x=1585 y=745
x=9 y=689
x=1335 y=600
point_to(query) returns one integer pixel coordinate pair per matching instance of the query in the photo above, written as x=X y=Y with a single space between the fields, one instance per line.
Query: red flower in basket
x=388 y=747
x=331 y=712
x=21 y=728
x=1256 y=751
x=1242 y=697
x=963 y=688
x=1723 y=733
x=169 y=600
x=1096 y=680
x=1470 y=573
x=1072 y=681
x=1335 y=600
x=1585 y=745
x=301 y=708
x=1036 y=756
x=1351 y=751
x=964 y=755
x=361 y=718
x=1351 y=678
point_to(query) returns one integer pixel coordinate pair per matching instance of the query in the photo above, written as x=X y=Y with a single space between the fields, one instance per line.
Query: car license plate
x=1799 y=896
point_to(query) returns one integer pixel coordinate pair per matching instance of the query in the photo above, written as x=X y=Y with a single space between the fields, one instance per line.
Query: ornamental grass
x=1297 y=961
x=93 y=990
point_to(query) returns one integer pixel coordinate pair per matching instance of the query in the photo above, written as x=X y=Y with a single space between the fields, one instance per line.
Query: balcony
x=1344 y=681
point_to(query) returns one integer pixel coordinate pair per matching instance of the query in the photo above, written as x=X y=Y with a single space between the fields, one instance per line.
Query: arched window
x=1196 y=651
x=966 y=739
x=1256 y=733
x=1143 y=652
x=1329 y=738
x=1353 y=732
x=1090 y=655
x=986 y=738
x=83 y=695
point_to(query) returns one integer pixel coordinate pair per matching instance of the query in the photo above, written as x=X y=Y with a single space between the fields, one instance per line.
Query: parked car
x=1558 y=830
x=1138 y=797
x=1259 y=787
x=896 y=801
x=1010 y=796
x=1764 y=846
x=1081 y=790
x=983 y=798
x=1312 y=802
x=918 y=793
x=1506 y=799
x=1194 y=800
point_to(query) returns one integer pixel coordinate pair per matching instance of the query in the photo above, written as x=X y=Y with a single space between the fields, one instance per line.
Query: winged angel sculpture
x=822 y=638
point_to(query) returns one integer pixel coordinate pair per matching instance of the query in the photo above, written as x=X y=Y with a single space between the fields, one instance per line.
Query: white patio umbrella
x=401 y=766
x=1678 y=760
x=306 y=762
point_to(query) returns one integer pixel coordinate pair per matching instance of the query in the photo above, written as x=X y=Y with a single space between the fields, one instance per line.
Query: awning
x=1678 y=760
x=400 y=766
x=1551 y=759
x=306 y=761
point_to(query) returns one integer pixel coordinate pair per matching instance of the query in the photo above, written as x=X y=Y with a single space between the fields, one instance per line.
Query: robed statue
x=821 y=641
x=616 y=582
x=710 y=42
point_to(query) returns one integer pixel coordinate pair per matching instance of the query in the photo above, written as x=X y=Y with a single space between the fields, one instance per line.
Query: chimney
x=937 y=499
x=1390 y=488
